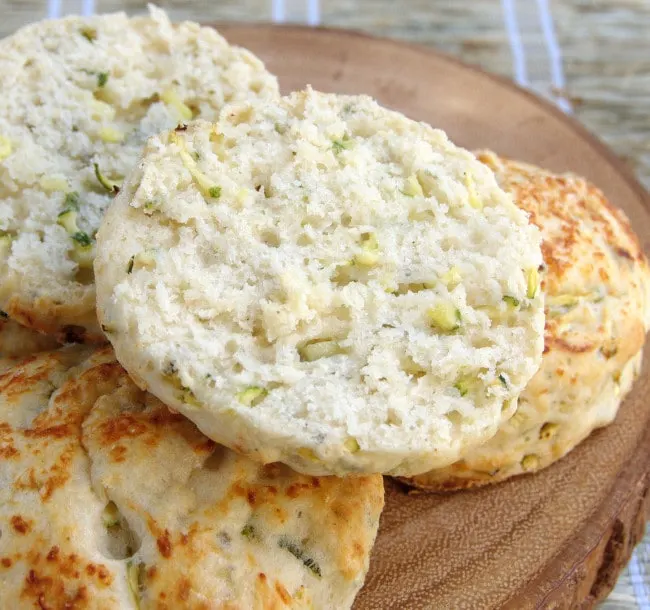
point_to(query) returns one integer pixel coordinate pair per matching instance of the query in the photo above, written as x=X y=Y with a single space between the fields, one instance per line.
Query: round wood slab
x=557 y=539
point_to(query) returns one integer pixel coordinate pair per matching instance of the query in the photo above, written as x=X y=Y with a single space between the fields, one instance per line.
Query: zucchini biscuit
x=323 y=282
x=110 y=501
x=80 y=97
x=597 y=286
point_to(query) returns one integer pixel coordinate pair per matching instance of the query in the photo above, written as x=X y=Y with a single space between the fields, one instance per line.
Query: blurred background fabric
x=589 y=57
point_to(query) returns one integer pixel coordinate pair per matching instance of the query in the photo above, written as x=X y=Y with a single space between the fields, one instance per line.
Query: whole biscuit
x=110 y=501
x=597 y=287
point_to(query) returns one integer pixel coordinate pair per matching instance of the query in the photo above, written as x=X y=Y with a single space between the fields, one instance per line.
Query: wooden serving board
x=557 y=539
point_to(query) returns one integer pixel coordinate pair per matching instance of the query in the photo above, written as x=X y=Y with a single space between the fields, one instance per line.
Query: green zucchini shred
x=511 y=301
x=90 y=34
x=109 y=185
x=345 y=143
x=300 y=555
x=82 y=238
x=250 y=533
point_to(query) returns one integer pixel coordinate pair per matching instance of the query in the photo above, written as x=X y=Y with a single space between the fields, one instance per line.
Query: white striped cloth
x=632 y=591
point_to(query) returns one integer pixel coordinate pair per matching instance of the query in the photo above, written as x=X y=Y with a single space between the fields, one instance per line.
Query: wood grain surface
x=557 y=539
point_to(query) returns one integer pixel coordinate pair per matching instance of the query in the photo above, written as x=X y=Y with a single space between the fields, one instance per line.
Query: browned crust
x=531 y=187
x=94 y=412
x=422 y=484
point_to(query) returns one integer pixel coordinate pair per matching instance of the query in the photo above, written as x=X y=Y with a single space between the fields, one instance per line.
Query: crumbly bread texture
x=16 y=342
x=597 y=287
x=323 y=282
x=110 y=501
x=85 y=93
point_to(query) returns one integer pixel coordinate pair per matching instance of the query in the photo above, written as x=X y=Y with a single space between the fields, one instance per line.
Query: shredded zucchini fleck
x=563 y=300
x=413 y=287
x=82 y=252
x=250 y=533
x=186 y=395
x=452 y=278
x=171 y=98
x=464 y=384
x=82 y=238
x=412 y=187
x=90 y=34
x=532 y=283
x=320 y=348
x=68 y=220
x=252 y=396
x=109 y=185
x=511 y=301
x=52 y=184
x=427 y=182
x=110 y=134
x=72 y=201
x=444 y=316
x=308 y=454
x=352 y=445
x=135 y=574
x=102 y=79
x=144 y=260
x=300 y=555
x=474 y=200
x=5 y=147
x=101 y=110
x=204 y=184
x=343 y=143
x=369 y=255
x=5 y=244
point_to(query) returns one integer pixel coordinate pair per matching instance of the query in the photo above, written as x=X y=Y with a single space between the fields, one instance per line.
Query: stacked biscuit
x=300 y=293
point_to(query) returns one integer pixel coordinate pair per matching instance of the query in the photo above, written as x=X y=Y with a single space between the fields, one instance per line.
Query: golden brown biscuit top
x=597 y=290
x=597 y=279
x=110 y=500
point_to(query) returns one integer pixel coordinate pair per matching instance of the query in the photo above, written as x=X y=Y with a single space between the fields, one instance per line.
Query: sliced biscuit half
x=80 y=97
x=323 y=282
